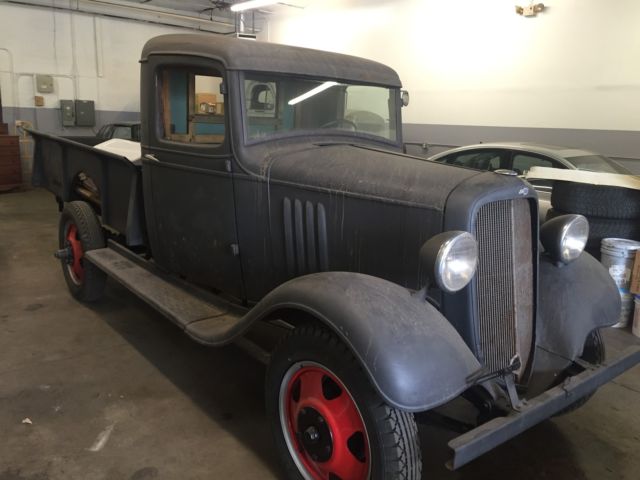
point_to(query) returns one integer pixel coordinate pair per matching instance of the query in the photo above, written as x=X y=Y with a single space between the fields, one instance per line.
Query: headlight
x=451 y=259
x=565 y=237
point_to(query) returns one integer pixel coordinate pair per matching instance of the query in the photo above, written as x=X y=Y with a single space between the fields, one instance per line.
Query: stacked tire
x=613 y=212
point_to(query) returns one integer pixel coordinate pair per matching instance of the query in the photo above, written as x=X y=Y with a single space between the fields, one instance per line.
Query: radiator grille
x=504 y=282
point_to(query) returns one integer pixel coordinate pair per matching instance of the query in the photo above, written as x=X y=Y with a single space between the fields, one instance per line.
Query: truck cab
x=209 y=186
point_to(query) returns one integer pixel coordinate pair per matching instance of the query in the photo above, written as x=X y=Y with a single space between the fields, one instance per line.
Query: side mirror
x=404 y=96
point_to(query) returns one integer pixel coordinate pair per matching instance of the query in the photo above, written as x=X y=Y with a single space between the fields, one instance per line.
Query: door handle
x=151 y=157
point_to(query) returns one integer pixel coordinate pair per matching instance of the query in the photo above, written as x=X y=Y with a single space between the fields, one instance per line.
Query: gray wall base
x=49 y=120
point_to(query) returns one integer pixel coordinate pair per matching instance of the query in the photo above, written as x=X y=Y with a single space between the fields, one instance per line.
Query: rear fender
x=413 y=356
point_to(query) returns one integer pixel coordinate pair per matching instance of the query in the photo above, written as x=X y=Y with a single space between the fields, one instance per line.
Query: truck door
x=186 y=169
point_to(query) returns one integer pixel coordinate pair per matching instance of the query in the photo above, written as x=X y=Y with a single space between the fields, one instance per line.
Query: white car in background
x=517 y=158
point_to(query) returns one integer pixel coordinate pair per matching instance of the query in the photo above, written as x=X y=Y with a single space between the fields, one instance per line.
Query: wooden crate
x=10 y=171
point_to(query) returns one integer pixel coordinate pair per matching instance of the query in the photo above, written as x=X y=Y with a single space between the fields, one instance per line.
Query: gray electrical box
x=44 y=83
x=85 y=113
x=68 y=110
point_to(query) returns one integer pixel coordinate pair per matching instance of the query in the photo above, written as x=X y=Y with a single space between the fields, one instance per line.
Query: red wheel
x=80 y=231
x=329 y=423
x=324 y=430
x=75 y=253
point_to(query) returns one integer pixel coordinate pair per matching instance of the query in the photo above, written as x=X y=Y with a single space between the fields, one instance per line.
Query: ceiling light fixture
x=240 y=7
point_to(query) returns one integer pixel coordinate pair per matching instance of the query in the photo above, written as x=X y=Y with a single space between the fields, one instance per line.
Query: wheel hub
x=74 y=254
x=315 y=437
x=323 y=428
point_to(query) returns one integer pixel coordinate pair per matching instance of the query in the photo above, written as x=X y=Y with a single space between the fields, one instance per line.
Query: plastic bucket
x=636 y=317
x=617 y=256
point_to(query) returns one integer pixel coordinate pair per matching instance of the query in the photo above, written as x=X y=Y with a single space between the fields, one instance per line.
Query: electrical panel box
x=68 y=110
x=85 y=113
x=44 y=83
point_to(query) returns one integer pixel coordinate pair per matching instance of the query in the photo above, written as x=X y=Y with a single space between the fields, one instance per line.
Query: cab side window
x=191 y=106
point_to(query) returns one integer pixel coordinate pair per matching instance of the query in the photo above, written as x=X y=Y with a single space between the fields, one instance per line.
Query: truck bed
x=60 y=163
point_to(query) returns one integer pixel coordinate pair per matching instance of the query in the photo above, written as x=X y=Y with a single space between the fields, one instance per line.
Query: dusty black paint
x=249 y=220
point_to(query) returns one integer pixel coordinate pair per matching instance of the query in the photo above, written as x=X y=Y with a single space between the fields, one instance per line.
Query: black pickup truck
x=273 y=188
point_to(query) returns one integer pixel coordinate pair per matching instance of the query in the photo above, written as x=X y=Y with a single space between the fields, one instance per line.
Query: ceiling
x=218 y=10
x=203 y=15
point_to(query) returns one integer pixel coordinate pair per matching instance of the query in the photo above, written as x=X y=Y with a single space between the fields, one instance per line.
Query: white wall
x=92 y=57
x=472 y=62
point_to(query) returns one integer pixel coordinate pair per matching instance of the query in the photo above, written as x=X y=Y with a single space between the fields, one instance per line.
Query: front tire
x=594 y=353
x=79 y=232
x=328 y=421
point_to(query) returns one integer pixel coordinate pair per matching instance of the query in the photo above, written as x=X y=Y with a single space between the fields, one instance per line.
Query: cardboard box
x=635 y=275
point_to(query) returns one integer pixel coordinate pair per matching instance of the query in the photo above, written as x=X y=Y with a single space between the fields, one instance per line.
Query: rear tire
x=80 y=232
x=314 y=380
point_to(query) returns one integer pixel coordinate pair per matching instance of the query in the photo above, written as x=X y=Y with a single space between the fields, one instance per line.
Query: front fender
x=413 y=356
x=574 y=300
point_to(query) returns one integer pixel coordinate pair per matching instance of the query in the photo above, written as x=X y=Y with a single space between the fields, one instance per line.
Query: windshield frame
x=324 y=132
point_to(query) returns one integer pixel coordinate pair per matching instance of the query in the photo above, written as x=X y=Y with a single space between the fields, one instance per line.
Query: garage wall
x=477 y=71
x=90 y=57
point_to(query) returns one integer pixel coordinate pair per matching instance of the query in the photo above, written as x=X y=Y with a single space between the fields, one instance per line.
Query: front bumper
x=481 y=439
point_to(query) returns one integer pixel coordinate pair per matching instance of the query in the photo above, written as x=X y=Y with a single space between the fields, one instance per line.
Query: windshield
x=277 y=105
x=597 y=163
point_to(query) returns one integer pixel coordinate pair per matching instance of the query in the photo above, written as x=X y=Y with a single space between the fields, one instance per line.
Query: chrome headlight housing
x=451 y=259
x=565 y=237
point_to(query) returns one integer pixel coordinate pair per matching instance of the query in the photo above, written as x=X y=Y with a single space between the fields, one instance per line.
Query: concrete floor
x=114 y=391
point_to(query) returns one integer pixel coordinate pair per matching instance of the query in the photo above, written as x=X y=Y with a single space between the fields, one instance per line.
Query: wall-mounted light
x=530 y=10
x=251 y=4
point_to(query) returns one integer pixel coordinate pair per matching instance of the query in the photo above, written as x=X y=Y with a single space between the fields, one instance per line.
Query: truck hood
x=366 y=172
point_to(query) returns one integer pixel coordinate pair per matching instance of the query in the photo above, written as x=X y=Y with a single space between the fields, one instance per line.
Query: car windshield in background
x=277 y=105
x=597 y=163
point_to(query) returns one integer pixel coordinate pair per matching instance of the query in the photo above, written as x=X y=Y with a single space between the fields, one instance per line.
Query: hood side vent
x=305 y=237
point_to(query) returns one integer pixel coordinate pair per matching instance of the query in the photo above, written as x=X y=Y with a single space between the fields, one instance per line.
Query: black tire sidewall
x=91 y=237
x=344 y=366
x=596 y=200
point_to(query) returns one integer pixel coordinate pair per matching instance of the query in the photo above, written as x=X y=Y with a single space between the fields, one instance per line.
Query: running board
x=202 y=316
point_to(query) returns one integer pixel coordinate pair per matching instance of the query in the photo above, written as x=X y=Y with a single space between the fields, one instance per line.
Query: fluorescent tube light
x=312 y=92
x=239 y=7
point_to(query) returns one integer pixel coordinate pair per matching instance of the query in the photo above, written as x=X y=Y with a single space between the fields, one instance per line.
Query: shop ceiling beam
x=137 y=11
